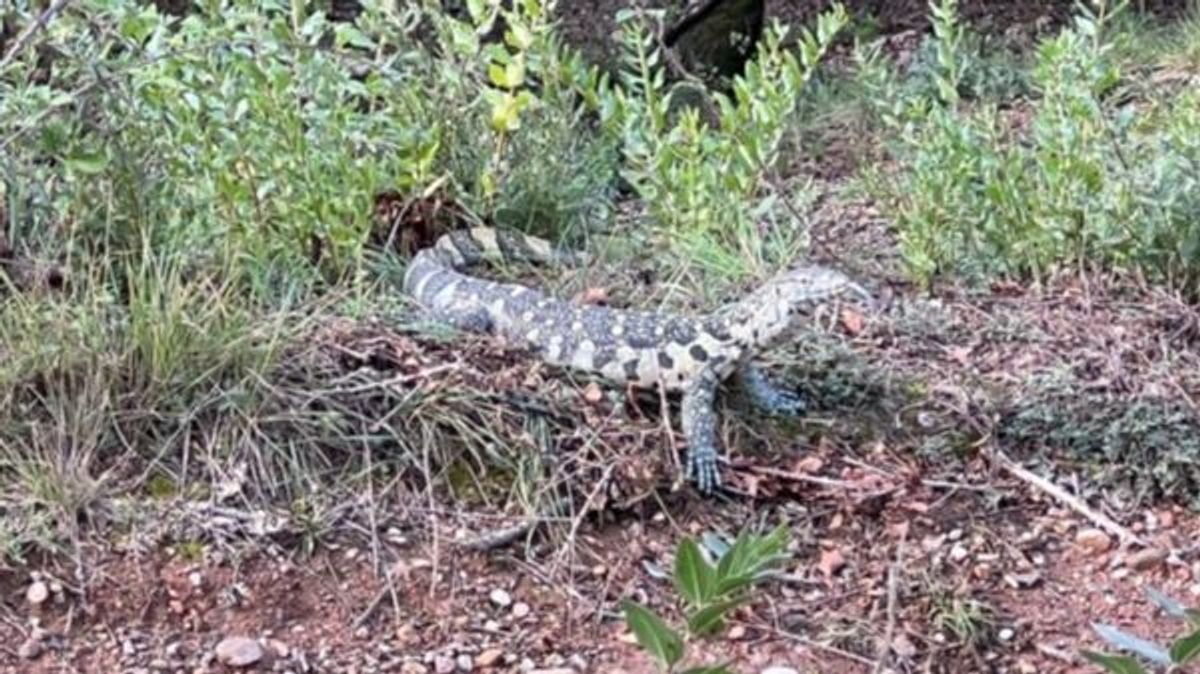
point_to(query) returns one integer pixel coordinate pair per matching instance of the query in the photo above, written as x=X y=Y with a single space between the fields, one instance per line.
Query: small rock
x=464 y=663
x=520 y=610
x=903 y=646
x=280 y=649
x=1093 y=541
x=1006 y=634
x=959 y=552
x=30 y=649
x=500 y=598
x=779 y=670
x=443 y=665
x=491 y=626
x=490 y=657
x=37 y=593
x=413 y=668
x=1167 y=519
x=239 y=651
x=1023 y=580
x=593 y=393
x=554 y=670
x=1144 y=560
x=736 y=633
x=196 y=579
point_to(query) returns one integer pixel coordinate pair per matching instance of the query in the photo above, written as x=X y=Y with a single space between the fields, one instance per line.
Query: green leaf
x=519 y=37
x=1114 y=664
x=652 y=633
x=694 y=576
x=1167 y=604
x=1147 y=649
x=89 y=163
x=1193 y=617
x=711 y=618
x=1186 y=649
x=347 y=34
x=498 y=76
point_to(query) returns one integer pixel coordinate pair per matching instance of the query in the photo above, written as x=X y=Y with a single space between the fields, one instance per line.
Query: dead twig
x=388 y=589
x=1058 y=493
x=885 y=648
x=505 y=536
x=802 y=477
x=815 y=645
x=31 y=30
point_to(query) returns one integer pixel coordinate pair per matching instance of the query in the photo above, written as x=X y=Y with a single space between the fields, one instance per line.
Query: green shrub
x=1086 y=185
x=704 y=182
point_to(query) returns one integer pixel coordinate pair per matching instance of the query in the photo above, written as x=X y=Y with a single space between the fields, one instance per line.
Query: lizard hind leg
x=766 y=395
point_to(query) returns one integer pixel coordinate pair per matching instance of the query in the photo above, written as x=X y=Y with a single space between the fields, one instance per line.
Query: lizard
x=693 y=356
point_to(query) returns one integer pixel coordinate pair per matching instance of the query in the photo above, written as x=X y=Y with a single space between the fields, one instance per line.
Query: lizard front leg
x=767 y=395
x=700 y=430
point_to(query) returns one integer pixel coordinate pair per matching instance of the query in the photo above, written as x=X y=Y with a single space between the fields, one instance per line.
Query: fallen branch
x=501 y=537
x=802 y=477
x=1058 y=493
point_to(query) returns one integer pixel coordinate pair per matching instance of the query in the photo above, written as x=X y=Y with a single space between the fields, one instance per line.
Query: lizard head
x=772 y=308
x=804 y=286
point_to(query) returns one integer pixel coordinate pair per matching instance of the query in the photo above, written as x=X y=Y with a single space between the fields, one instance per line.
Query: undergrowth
x=188 y=203
x=1080 y=176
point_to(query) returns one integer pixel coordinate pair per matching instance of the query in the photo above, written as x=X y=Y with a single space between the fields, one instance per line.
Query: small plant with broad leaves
x=709 y=590
x=1169 y=658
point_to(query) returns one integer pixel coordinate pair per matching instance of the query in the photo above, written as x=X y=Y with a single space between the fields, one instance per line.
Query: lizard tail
x=462 y=248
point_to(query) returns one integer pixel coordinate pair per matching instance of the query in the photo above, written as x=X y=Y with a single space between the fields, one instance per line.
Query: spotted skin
x=694 y=356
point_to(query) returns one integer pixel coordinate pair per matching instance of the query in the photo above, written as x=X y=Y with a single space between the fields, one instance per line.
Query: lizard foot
x=703 y=470
x=788 y=404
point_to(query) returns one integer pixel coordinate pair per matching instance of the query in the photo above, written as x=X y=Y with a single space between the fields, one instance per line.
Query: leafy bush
x=1086 y=185
x=703 y=178
x=530 y=158
x=710 y=591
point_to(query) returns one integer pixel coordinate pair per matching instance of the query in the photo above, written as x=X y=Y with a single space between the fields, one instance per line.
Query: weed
x=967 y=620
x=710 y=591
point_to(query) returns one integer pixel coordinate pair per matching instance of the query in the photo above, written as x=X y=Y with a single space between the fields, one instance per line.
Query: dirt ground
x=888 y=556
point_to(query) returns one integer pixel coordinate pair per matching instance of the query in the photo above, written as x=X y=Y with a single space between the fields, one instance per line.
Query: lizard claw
x=789 y=404
x=702 y=469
